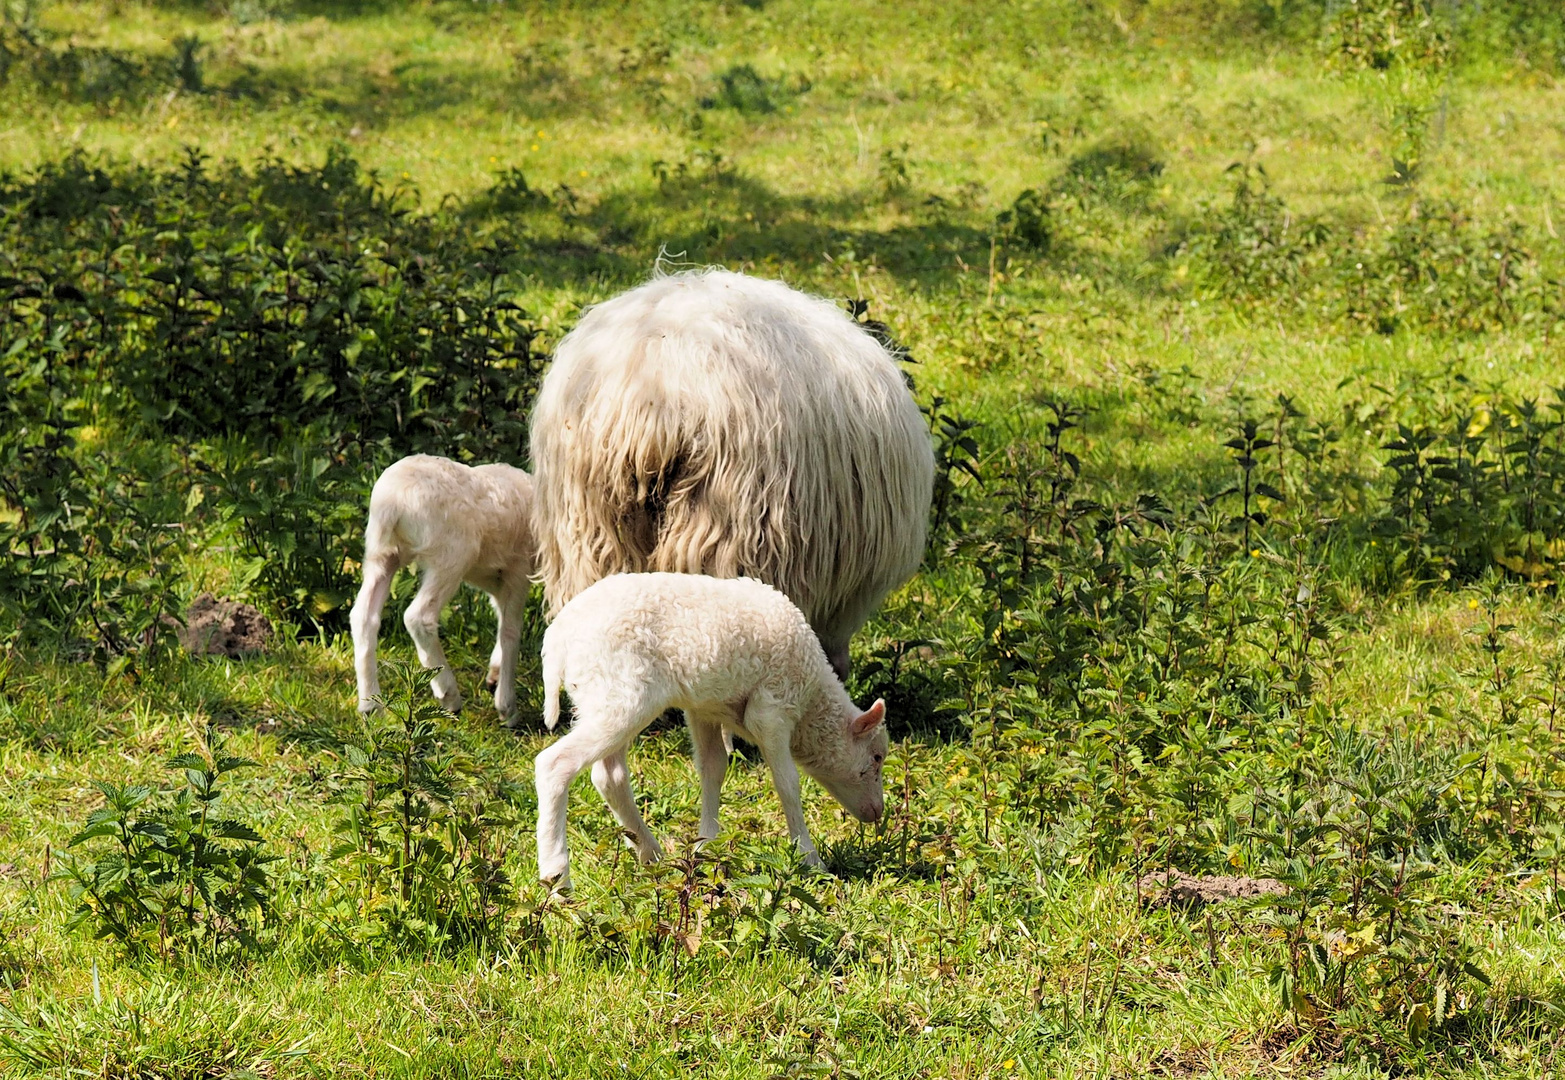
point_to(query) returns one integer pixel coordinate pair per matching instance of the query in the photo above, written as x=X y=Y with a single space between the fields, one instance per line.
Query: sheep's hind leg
x=435 y=591
x=611 y=776
x=365 y=623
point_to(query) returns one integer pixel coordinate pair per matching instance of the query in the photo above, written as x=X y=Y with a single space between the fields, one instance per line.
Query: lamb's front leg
x=711 y=758
x=785 y=777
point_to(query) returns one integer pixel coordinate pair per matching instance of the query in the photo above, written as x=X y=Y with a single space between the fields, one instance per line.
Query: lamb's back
x=691 y=623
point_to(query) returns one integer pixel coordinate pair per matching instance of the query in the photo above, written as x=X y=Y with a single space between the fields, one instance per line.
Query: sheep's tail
x=553 y=676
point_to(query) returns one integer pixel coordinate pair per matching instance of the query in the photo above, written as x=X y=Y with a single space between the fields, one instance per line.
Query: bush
x=294 y=328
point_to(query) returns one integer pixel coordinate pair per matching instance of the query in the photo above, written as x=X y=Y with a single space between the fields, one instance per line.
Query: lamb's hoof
x=559 y=886
x=490 y=682
x=645 y=855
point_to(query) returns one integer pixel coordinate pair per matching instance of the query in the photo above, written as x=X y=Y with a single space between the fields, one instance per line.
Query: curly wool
x=713 y=423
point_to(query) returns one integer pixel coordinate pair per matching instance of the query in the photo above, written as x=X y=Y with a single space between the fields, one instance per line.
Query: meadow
x=1238 y=328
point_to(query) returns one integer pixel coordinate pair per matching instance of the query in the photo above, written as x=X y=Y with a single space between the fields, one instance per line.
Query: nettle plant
x=179 y=877
x=1478 y=481
x=705 y=906
x=421 y=844
x=290 y=329
x=1143 y=684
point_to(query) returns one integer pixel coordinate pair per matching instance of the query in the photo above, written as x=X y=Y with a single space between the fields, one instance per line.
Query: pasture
x=1237 y=326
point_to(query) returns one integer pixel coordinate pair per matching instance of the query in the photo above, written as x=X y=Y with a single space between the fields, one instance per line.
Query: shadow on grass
x=731 y=219
x=873 y=854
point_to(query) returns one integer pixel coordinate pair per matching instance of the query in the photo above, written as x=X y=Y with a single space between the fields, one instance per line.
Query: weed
x=185 y=880
x=418 y=847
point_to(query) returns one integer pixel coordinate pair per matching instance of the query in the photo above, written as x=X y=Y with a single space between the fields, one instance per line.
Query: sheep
x=713 y=423
x=738 y=657
x=458 y=523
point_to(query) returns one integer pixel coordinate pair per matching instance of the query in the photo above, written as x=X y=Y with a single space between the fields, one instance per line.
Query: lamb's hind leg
x=492 y=678
x=422 y=619
x=591 y=739
x=365 y=623
x=710 y=751
x=611 y=776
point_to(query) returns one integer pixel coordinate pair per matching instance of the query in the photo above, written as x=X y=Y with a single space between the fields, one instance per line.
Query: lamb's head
x=845 y=753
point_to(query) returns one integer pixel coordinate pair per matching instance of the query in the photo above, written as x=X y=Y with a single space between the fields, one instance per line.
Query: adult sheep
x=713 y=423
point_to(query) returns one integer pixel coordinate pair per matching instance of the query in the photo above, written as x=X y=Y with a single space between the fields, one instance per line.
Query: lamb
x=738 y=657
x=458 y=523
x=714 y=423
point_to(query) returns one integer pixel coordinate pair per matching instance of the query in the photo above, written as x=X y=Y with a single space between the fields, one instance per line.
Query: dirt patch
x=216 y=627
x=1181 y=1063
x=1178 y=889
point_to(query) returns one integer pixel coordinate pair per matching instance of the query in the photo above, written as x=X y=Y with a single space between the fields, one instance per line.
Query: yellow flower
x=1009 y=1063
x=493 y=158
x=535 y=146
x=582 y=173
x=1255 y=553
x=1472 y=605
x=540 y=133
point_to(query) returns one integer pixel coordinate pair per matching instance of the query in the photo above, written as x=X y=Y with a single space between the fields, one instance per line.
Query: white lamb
x=736 y=656
x=458 y=523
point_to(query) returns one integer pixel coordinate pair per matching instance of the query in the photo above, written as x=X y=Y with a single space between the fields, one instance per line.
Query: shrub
x=295 y=328
x=1255 y=250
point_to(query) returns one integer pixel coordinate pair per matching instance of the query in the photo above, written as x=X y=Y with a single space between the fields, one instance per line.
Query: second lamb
x=457 y=523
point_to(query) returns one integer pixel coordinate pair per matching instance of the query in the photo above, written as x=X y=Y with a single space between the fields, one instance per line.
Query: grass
x=862 y=152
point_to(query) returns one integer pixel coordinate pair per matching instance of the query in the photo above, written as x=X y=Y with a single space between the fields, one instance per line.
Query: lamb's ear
x=870 y=719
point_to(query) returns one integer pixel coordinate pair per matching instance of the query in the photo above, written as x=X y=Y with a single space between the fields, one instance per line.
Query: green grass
x=979 y=935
